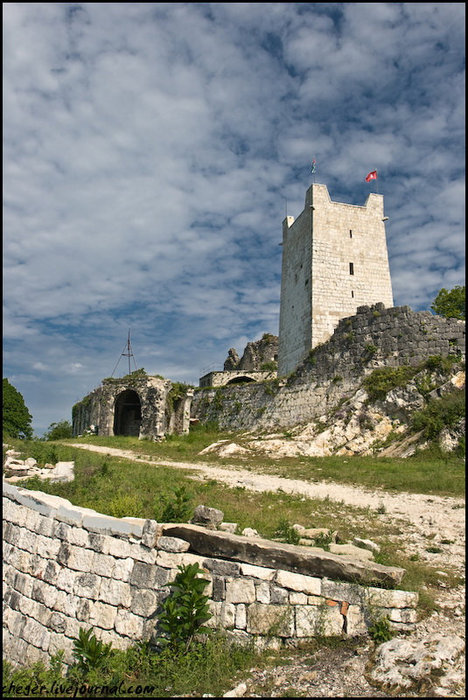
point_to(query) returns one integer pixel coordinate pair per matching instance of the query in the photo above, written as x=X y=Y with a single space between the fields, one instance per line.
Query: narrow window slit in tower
x=351 y=268
x=352 y=294
x=350 y=234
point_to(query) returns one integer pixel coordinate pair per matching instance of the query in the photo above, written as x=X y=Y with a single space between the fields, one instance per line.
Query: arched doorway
x=127 y=413
x=240 y=380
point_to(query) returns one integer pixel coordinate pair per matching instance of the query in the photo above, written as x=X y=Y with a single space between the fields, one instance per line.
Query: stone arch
x=127 y=413
x=240 y=380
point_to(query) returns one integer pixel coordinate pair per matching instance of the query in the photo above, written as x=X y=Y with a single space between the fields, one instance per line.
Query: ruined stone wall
x=373 y=337
x=159 y=415
x=67 y=567
x=334 y=260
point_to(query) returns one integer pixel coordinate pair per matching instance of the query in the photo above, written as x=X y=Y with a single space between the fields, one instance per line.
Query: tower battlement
x=334 y=260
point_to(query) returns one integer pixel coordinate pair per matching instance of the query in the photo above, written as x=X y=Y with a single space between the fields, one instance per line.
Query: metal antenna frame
x=129 y=354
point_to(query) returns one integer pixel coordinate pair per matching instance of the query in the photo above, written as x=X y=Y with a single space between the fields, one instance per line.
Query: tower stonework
x=334 y=260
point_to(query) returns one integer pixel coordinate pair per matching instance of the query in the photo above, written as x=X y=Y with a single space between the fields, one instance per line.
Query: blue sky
x=149 y=153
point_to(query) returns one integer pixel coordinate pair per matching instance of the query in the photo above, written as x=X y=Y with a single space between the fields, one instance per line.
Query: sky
x=152 y=150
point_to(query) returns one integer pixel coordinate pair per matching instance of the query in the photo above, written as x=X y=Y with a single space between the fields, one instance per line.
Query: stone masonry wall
x=373 y=337
x=67 y=567
x=334 y=260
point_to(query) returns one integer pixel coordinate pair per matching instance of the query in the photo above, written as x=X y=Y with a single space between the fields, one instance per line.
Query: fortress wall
x=373 y=337
x=67 y=567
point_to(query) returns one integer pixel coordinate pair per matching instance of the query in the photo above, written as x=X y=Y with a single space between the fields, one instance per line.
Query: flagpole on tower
x=313 y=169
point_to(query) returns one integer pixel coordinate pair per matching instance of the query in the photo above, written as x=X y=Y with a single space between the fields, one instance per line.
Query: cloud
x=152 y=151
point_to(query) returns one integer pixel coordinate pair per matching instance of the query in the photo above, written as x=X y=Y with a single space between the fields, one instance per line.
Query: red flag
x=371 y=176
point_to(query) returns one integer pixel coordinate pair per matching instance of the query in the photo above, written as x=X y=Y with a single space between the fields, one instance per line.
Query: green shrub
x=439 y=414
x=185 y=610
x=89 y=652
x=382 y=380
x=380 y=630
x=286 y=532
x=176 y=508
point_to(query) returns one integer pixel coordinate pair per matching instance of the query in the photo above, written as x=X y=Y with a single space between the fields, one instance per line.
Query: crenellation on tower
x=334 y=260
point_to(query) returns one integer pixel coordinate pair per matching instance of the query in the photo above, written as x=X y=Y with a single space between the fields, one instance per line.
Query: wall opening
x=240 y=380
x=127 y=413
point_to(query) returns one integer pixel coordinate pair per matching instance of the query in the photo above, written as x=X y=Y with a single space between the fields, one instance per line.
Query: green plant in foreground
x=89 y=652
x=185 y=610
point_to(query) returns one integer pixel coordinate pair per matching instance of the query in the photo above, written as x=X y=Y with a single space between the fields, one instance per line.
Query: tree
x=59 y=431
x=16 y=417
x=450 y=304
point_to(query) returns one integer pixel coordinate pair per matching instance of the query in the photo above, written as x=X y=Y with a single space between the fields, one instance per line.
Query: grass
x=430 y=471
x=122 y=488
x=208 y=667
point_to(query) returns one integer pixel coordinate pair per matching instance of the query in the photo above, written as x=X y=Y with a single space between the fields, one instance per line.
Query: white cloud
x=151 y=151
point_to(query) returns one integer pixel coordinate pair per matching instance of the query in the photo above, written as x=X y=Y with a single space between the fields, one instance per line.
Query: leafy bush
x=89 y=652
x=59 y=431
x=380 y=630
x=176 y=508
x=185 y=610
x=439 y=414
x=286 y=532
x=382 y=380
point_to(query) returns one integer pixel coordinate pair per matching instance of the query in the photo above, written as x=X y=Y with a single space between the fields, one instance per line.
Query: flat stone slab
x=288 y=557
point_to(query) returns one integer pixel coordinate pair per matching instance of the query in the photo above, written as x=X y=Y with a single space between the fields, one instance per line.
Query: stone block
x=260 y=572
x=102 y=564
x=66 y=603
x=218 y=588
x=106 y=524
x=47 y=547
x=222 y=568
x=65 y=580
x=78 y=537
x=115 y=547
x=392 y=599
x=223 y=615
x=406 y=615
x=122 y=569
x=241 y=617
x=262 y=592
x=57 y=623
x=355 y=621
x=116 y=592
x=172 y=544
x=299 y=582
x=129 y=625
x=102 y=615
x=87 y=585
x=143 y=602
x=296 y=598
x=240 y=591
x=143 y=575
x=275 y=620
x=318 y=620
x=278 y=595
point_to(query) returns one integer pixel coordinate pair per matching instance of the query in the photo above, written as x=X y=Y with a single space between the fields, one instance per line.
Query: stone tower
x=334 y=260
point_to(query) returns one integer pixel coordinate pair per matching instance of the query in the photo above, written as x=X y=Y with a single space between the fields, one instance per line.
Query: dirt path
x=424 y=519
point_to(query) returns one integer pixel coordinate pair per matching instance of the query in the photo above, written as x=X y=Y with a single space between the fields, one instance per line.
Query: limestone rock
x=405 y=665
x=208 y=517
x=249 y=532
x=366 y=544
x=289 y=557
x=351 y=551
